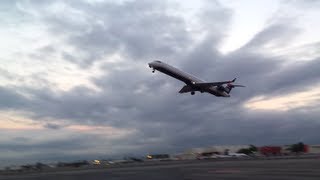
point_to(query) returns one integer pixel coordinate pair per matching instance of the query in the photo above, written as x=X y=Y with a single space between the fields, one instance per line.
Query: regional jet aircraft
x=194 y=84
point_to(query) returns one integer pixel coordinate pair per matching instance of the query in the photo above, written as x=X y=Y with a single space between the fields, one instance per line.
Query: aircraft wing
x=186 y=89
x=208 y=84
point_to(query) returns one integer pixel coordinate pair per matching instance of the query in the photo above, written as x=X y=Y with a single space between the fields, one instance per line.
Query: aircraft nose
x=151 y=64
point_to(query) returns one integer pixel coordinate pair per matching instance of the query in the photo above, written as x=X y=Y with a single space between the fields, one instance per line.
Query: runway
x=284 y=169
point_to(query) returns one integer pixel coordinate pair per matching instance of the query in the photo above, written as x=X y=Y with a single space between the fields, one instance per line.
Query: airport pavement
x=276 y=169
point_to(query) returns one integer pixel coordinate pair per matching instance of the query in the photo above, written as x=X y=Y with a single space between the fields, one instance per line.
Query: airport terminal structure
x=268 y=150
x=219 y=152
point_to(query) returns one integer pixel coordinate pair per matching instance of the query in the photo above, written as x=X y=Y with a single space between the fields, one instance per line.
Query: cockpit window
x=158 y=61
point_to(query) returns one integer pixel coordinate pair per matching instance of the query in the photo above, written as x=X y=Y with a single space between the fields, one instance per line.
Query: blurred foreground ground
x=297 y=168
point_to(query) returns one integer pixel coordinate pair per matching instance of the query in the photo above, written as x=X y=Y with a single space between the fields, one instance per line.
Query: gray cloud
x=6 y=74
x=302 y=3
x=52 y=126
x=278 y=34
x=136 y=29
x=10 y=99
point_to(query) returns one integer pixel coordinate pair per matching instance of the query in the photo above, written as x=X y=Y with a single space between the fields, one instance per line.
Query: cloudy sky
x=75 y=84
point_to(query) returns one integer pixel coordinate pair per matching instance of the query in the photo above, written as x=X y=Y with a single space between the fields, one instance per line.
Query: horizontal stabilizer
x=230 y=86
x=237 y=85
x=214 y=83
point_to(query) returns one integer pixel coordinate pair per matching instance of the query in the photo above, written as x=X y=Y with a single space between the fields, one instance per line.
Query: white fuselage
x=189 y=79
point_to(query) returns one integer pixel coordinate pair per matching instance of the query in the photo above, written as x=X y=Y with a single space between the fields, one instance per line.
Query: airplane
x=193 y=83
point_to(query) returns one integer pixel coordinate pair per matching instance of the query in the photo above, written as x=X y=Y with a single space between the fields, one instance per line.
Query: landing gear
x=153 y=70
x=192 y=92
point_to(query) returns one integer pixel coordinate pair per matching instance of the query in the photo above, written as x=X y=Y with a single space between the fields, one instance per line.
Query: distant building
x=73 y=164
x=314 y=149
x=217 y=149
x=270 y=150
x=186 y=156
x=286 y=149
x=158 y=157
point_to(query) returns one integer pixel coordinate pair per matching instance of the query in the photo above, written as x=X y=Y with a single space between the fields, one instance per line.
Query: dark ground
x=284 y=169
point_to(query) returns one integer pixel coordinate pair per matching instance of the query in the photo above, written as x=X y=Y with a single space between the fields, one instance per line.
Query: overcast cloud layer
x=75 y=81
